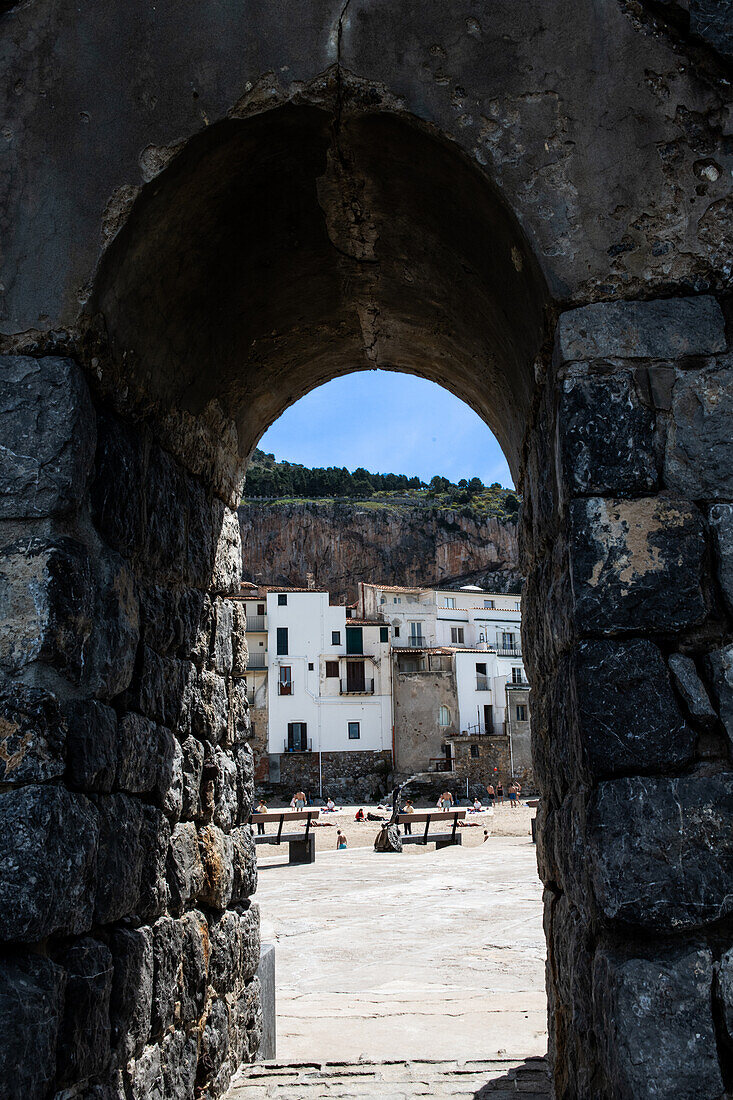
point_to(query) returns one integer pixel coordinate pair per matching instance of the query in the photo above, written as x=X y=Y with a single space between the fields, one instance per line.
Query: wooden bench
x=441 y=840
x=301 y=846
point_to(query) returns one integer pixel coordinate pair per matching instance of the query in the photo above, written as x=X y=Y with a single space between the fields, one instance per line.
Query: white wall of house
x=300 y=689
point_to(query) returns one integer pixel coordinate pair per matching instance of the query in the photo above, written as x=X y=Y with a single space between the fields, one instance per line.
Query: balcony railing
x=367 y=688
x=257 y=659
x=509 y=651
x=285 y=688
x=256 y=622
x=304 y=746
x=416 y=641
x=482 y=683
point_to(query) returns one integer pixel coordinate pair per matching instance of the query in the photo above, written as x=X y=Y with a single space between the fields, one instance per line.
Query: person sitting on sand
x=359 y=815
x=330 y=807
x=486 y=835
x=477 y=807
x=341 y=841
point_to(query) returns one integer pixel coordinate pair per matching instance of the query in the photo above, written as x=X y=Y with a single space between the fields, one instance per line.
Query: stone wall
x=361 y=775
x=418 y=697
x=493 y=752
x=129 y=941
x=626 y=541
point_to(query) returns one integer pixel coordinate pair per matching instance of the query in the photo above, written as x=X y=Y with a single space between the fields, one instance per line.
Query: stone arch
x=123 y=654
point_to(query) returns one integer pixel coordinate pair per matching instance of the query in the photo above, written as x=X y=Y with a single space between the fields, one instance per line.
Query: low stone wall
x=129 y=942
x=362 y=775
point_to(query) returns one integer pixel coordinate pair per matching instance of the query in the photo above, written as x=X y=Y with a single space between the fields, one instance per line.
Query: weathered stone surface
x=227 y=571
x=721 y=524
x=606 y=436
x=195 y=957
x=170 y=619
x=699 y=455
x=84 y=1040
x=223 y=654
x=225 y=938
x=145 y=1075
x=244 y=864
x=48 y=863
x=249 y=924
x=31 y=1005
x=202 y=536
x=692 y=690
x=660 y=329
x=46 y=604
x=720 y=664
x=724 y=974
x=244 y=760
x=214 y=1040
x=121 y=857
x=91 y=745
x=636 y=564
x=222 y=789
x=627 y=715
x=170 y=775
x=155 y=836
x=178 y=1057
x=209 y=707
x=132 y=989
x=660 y=851
x=32 y=734
x=166 y=503
x=161 y=690
x=240 y=649
x=711 y=20
x=654 y=1023
x=192 y=765
x=116 y=494
x=110 y=660
x=167 y=948
x=185 y=870
x=240 y=726
x=217 y=854
x=139 y=752
x=48 y=429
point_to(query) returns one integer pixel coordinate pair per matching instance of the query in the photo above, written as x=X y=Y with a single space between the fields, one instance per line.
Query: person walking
x=298 y=802
x=491 y=795
x=500 y=792
x=446 y=801
x=512 y=796
x=341 y=841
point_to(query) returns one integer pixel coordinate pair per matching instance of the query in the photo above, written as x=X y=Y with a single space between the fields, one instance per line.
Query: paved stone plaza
x=426 y=956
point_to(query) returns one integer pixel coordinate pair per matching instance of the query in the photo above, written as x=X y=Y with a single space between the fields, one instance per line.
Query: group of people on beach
x=495 y=794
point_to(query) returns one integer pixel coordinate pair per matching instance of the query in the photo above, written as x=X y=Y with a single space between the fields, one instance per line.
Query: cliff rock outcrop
x=341 y=544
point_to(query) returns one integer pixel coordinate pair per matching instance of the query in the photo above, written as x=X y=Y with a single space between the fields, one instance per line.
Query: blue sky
x=388 y=423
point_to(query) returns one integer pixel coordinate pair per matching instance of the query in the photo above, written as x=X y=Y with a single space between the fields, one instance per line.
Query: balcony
x=482 y=682
x=285 y=688
x=257 y=659
x=255 y=623
x=509 y=651
x=416 y=641
x=304 y=746
x=367 y=688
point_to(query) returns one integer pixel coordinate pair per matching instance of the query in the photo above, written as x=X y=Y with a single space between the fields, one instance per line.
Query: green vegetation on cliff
x=285 y=481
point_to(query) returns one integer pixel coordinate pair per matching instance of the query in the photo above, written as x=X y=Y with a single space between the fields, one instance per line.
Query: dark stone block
x=132 y=989
x=227 y=572
x=155 y=836
x=721 y=524
x=170 y=619
x=223 y=654
x=192 y=765
x=110 y=660
x=724 y=974
x=201 y=536
x=244 y=864
x=660 y=851
x=121 y=857
x=699 y=455
x=185 y=870
x=139 y=752
x=161 y=689
x=712 y=20
x=247 y=1025
x=249 y=924
x=209 y=707
x=692 y=690
x=48 y=863
x=179 y=1057
x=244 y=760
x=167 y=949
x=636 y=565
x=32 y=734
x=659 y=329
x=31 y=1005
x=225 y=938
x=217 y=854
x=84 y=1040
x=117 y=496
x=170 y=775
x=166 y=505
x=654 y=1023
x=46 y=604
x=720 y=665
x=627 y=715
x=606 y=436
x=91 y=745
x=214 y=1041
x=145 y=1076
x=48 y=428
x=220 y=788
x=195 y=966
x=240 y=726
x=240 y=649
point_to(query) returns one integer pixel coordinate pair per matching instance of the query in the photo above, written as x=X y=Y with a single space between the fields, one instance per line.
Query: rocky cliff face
x=341 y=544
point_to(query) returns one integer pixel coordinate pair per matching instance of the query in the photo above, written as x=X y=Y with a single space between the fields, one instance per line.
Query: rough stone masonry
x=209 y=209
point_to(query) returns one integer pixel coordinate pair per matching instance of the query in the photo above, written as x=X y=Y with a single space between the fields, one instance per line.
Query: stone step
x=494 y=1079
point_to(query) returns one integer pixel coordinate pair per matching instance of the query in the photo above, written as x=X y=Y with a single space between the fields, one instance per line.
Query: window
x=260 y=609
x=310 y=666
x=517 y=676
x=416 y=637
x=354 y=640
x=397 y=599
x=335 y=637
x=297 y=737
x=282 y=641
x=480 y=668
x=444 y=716
x=282 y=600
x=285 y=683
x=332 y=669
x=490 y=604
x=474 y=752
x=507 y=641
x=396 y=632
x=384 y=633
x=456 y=634
x=354 y=731
x=383 y=599
x=521 y=712
x=450 y=601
